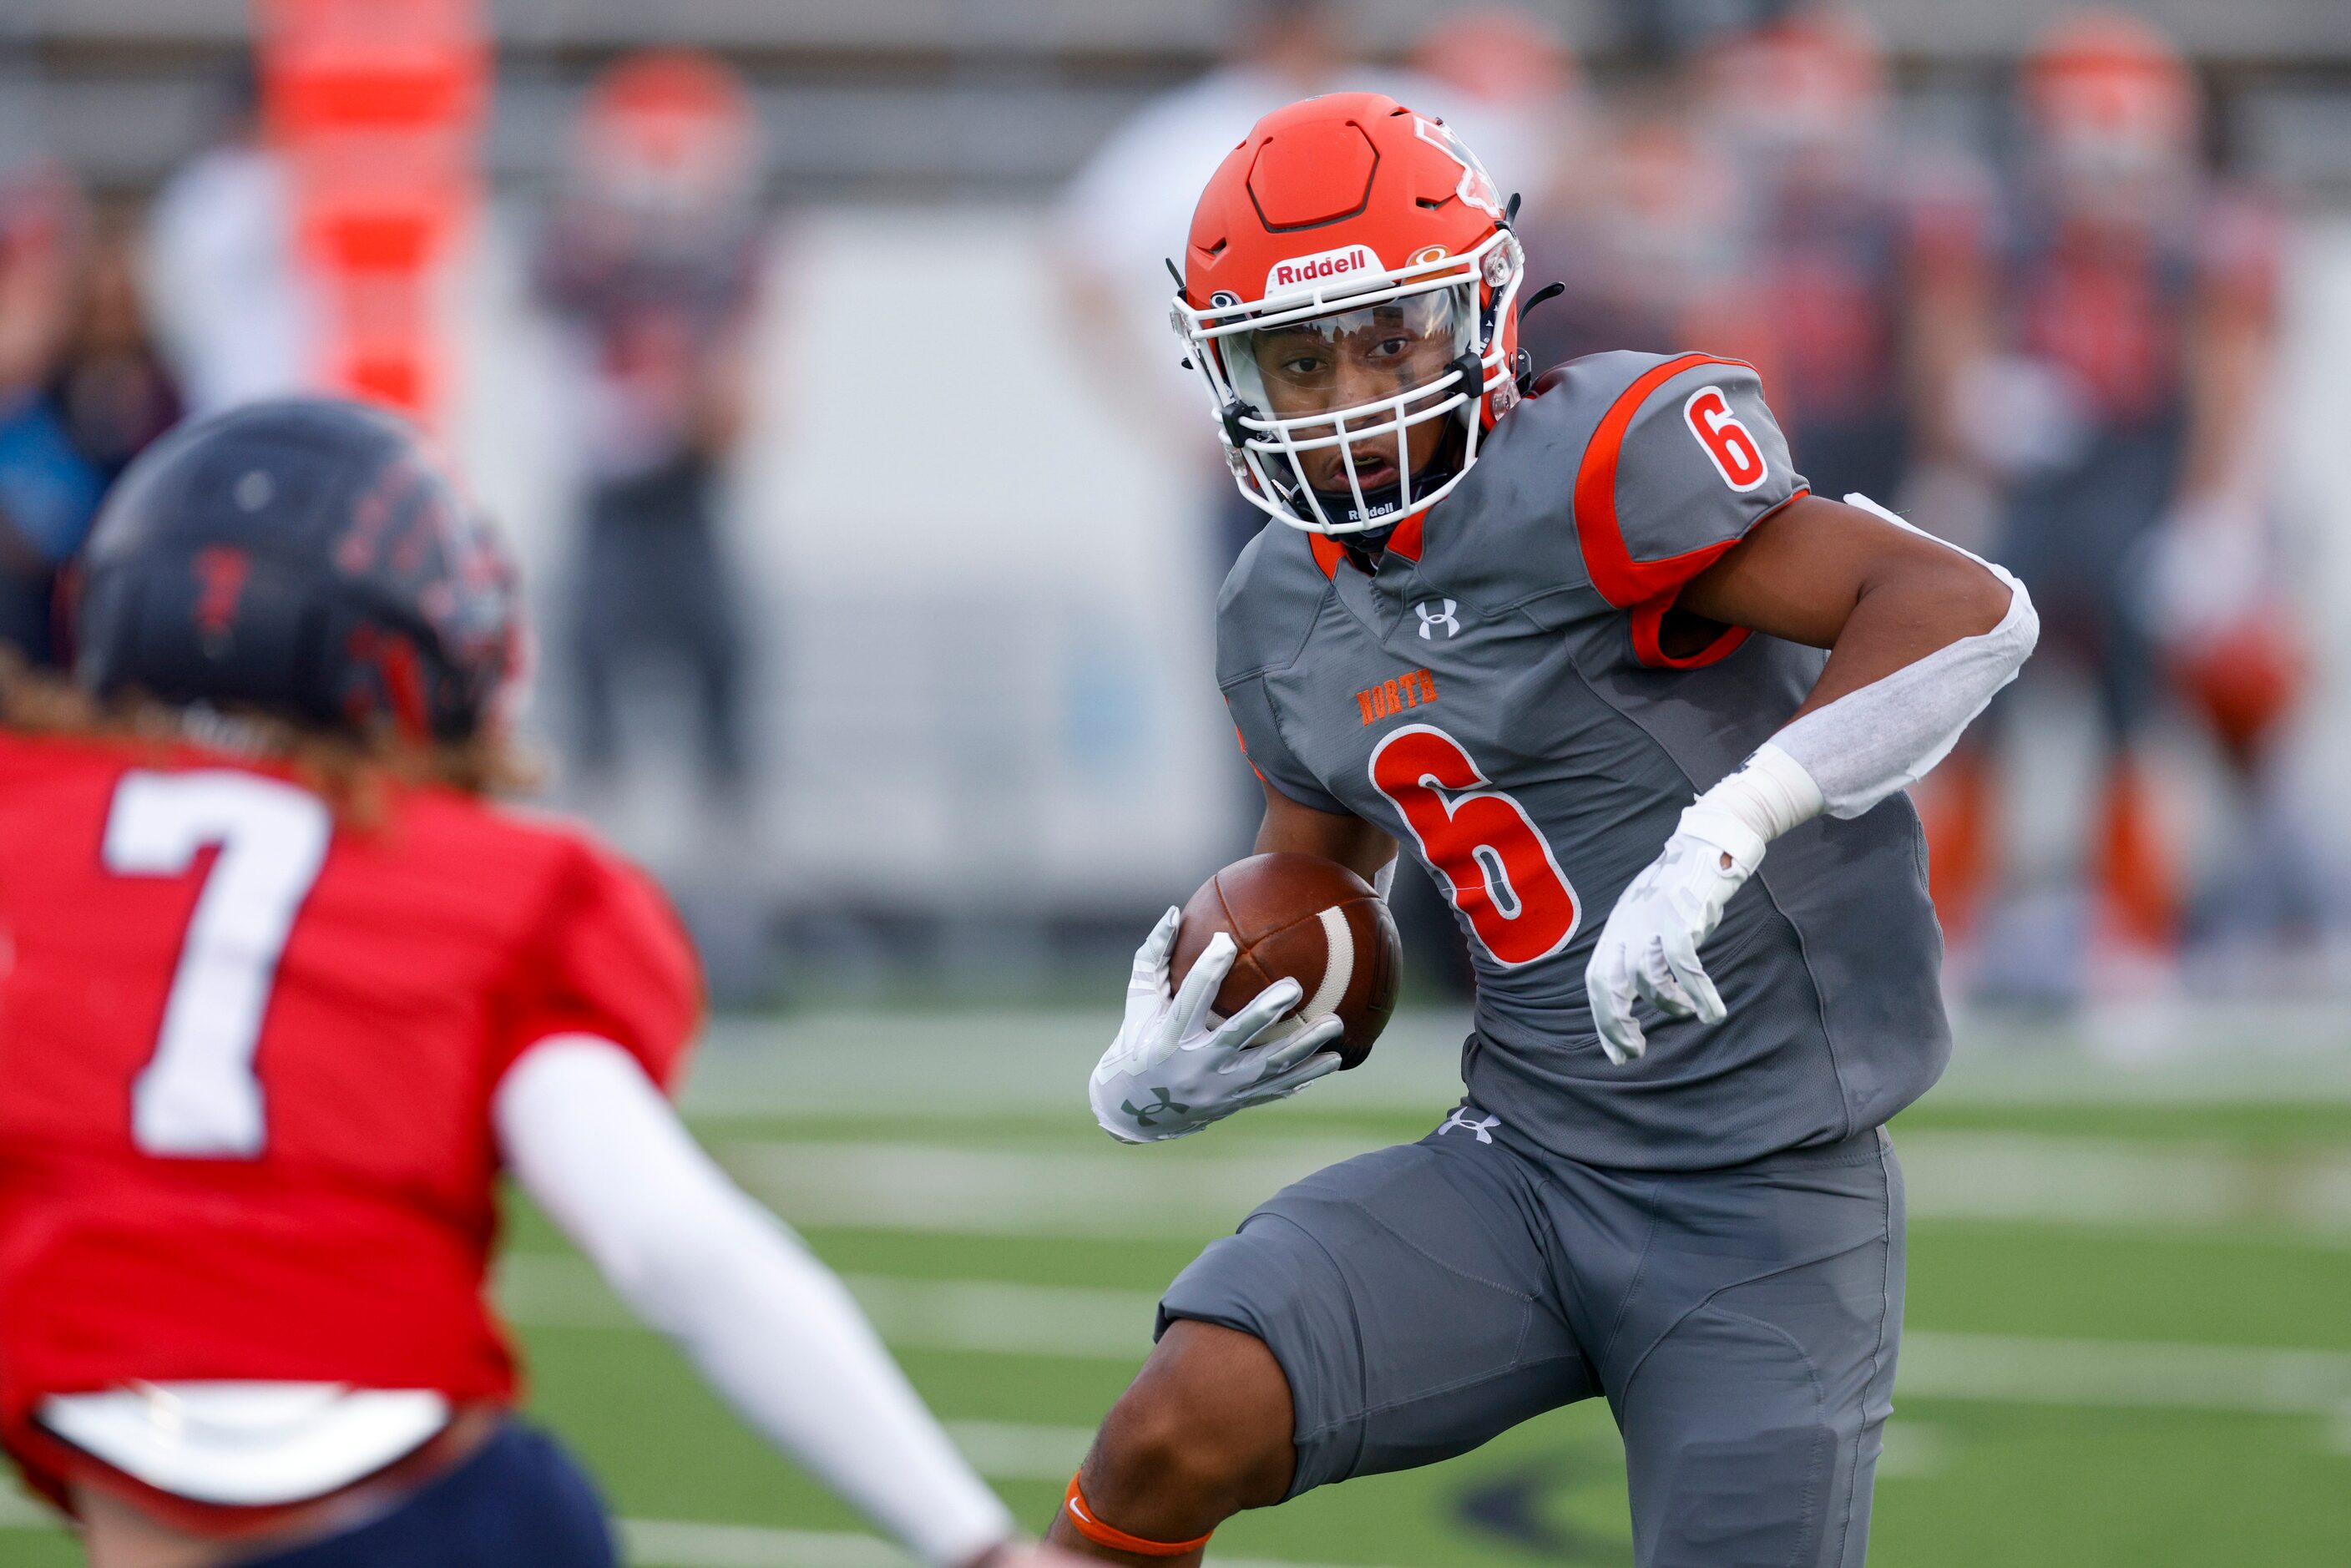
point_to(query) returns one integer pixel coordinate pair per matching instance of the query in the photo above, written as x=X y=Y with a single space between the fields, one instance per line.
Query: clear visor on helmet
x=1355 y=359
x=1352 y=404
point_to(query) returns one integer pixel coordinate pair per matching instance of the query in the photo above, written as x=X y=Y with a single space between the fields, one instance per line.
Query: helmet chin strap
x=1341 y=504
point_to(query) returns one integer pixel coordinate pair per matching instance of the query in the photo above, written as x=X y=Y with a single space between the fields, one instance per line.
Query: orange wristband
x=1081 y=1514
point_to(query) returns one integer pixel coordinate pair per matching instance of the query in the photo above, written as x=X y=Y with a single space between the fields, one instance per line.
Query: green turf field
x=2130 y=1327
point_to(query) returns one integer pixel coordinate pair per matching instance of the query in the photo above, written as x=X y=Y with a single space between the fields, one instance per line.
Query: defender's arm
x=592 y=1139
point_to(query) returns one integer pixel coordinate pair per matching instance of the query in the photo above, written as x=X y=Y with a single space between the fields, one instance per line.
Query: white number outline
x=198 y=1096
x=1709 y=429
x=1451 y=801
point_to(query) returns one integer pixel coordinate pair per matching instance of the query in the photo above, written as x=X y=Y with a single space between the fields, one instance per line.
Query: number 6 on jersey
x=1500 y=871
x=198 y=1095
x=1729 y=444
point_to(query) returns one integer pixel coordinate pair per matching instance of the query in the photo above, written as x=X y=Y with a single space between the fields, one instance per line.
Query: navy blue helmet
x=306 y=558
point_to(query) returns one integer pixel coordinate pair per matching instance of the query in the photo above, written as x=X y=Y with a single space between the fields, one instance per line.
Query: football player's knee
x=1204 y=1432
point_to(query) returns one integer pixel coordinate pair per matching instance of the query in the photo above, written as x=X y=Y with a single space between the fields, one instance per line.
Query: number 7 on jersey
x=197 y=1096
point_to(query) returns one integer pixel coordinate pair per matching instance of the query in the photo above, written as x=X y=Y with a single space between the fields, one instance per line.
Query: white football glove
x=1648 y=949
x=1173 y=1068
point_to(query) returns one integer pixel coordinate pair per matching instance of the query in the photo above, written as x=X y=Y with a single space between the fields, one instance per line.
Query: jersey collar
x=1404 y=542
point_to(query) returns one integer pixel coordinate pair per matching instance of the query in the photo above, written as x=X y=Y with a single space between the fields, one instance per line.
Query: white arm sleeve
x=1846 y=756
x=775 y=1331
x=1885 y=736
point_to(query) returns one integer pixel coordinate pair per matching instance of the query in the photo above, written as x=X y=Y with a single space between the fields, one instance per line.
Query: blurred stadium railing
x=910 y=97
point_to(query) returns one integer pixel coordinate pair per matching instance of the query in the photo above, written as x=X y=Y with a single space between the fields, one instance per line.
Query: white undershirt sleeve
x=776 y=1333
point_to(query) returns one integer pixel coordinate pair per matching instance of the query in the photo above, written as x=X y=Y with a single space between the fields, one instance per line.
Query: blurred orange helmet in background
x=2107 y=92
x=669 y=130
x=2247 y=677
x=1814 y=77
x=1499 y=55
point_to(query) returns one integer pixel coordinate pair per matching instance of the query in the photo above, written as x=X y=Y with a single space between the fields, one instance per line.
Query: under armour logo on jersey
x=1460 y=1118
x=1444 y=617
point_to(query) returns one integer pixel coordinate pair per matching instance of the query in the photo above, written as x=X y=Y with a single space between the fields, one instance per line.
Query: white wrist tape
x=1772 y=794
x=1383 y=878
x=1885 y=737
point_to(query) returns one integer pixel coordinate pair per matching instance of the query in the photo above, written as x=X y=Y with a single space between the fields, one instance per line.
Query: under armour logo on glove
x=1445 y=618
x=1147 y=1117
x=1460 y=1118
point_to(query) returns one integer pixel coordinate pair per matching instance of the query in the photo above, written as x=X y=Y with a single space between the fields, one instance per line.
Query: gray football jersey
x=1496 y=695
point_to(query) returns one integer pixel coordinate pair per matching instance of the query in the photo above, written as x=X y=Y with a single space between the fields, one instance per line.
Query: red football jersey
x=247 y=1056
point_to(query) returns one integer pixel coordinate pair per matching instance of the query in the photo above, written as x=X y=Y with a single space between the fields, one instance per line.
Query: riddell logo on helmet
x=1305 y=271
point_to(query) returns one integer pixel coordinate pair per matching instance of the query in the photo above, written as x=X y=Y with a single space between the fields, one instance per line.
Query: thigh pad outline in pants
x=1753 y=1400
x=1407 y=1295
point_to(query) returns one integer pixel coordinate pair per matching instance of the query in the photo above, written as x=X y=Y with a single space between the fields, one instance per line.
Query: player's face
x=1352 y=358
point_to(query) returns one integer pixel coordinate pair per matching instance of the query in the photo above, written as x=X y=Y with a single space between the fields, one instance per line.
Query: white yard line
x=1111 y=1195
x=2178 y=1051
x=692 y=1543
x=1203 y=1190
x=19 y=1512
x=679 y=1544
x=674 y=1543
x=1020 y=1451
x=2000 y=1369
x=986 y=1316
x=2067 y=1180
x=992 y=1316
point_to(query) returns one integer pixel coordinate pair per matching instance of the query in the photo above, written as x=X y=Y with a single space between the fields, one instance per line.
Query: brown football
x=1310 y=919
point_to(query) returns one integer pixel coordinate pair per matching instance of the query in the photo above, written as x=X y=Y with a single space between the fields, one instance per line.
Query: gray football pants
x=1741 y=1323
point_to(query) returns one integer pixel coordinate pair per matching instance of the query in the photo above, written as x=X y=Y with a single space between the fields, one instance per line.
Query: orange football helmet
x=1349 y=294
x=666 y=132
x=1815 y=79
x=2247 y=676
x=2108 y=93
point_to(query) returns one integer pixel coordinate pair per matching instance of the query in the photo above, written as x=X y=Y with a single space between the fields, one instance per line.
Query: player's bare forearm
x=1879 y=597
x=1354 y=844
x=2234 y=343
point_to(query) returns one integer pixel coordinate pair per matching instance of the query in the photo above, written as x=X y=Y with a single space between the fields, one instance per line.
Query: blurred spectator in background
x=81 y=389
x=237 y=315
x=1637 y=220
x=653 y=257
x=1800 y=110
x=1510 y=84
x=2125 y=309
x=1679 y=29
